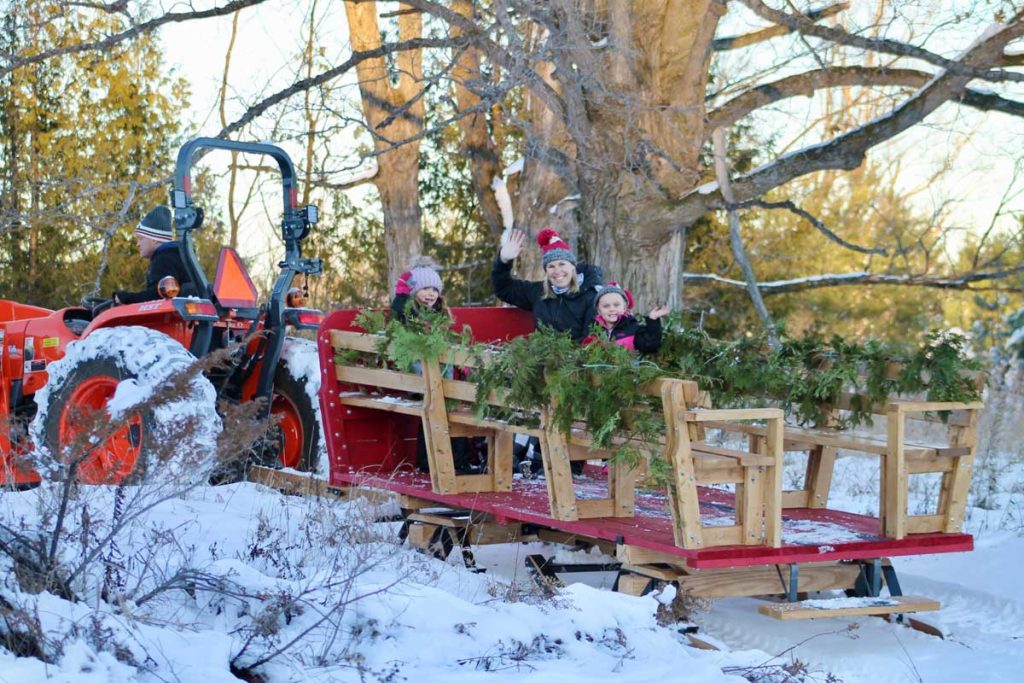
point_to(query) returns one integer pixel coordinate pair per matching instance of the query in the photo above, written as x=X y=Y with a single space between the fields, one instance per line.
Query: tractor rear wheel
x=297 y=426
x=74 y=410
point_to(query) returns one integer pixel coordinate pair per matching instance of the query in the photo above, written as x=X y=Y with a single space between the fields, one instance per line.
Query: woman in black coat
x=564 y=299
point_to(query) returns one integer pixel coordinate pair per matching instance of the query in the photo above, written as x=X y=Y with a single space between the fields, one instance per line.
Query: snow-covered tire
x=295 y=406
x=173 y=438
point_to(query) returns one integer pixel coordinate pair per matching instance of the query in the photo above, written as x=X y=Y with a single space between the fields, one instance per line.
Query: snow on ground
x=414 y=618
x=405 y=616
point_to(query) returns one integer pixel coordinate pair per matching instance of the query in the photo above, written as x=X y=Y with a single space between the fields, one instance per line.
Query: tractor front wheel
x=73 y=425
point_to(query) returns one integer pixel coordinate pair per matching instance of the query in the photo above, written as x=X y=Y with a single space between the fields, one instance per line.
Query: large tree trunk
x=393 y=113
x=633 y=137
x=484 y=161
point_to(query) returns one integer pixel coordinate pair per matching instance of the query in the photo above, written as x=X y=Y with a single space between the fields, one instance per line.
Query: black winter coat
x=644 y=334
x=571 y=313
x=401 y=309
x=164 y=261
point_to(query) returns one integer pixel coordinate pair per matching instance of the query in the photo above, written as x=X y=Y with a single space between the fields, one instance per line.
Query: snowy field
x=325 y=594
x=179 y=582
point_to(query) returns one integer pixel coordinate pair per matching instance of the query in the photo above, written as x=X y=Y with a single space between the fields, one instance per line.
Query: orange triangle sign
x=232 y=286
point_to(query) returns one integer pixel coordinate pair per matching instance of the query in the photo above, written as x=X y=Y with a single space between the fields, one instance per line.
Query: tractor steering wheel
x=97 y=304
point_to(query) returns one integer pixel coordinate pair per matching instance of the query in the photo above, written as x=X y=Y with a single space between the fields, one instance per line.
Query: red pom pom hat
x=554 y=247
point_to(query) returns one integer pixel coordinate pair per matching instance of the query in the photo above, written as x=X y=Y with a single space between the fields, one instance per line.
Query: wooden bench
x=899 y=458
x=446 y=408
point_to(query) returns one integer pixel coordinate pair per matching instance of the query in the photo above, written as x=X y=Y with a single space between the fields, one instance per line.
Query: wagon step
x=847 y=607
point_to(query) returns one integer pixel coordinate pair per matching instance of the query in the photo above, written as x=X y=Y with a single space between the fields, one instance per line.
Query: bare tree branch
x=847 y=151
x=804 y=85
x=739 y=252
x=748 y=39
x=888 y=46
x=12 y=62
x=788 y=205
x=306 y=83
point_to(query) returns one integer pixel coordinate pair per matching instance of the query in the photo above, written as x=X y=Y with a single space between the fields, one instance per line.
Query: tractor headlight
x=168 y=287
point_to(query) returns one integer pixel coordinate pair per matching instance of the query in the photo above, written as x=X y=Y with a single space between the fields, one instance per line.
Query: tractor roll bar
x=295 y=225
x=181 y=195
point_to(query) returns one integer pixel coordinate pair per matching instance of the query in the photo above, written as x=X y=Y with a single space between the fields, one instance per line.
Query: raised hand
x=511 y=244
x=402 y=285
x=659 y=312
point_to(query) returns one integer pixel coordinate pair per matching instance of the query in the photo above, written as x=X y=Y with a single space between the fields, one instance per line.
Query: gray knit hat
x=422 y=278
x=156 y=225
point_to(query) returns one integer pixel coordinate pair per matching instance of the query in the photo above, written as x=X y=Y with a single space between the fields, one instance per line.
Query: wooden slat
x=355 y=341
x=933 y=406
x=409 y=408
x=490 y=533
x=682 y=480
x=749 y=581
x=818 y=477
x=887 y=605
x=750 y=505
x=772 y=482
x=466 y=391
x=387 y=379
x=557 y=471
x=795 y=499
x=502 y=445
x=743 y=457
x=469 y=419
x=654 y=571
x=925 y=524
x=929 y=465
x=706 y=415
x=634 y=554
x=474 y=483
x=622 y=485
x=894 y=473
x=722 y=535
x=717 y=475
x=435 y=430
x=601 y=507
x=953 y=500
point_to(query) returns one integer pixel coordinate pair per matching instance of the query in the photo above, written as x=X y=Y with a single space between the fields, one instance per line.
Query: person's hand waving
x=511 y=244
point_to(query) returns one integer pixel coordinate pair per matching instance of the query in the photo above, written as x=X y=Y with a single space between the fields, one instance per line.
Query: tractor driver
x=155 y=236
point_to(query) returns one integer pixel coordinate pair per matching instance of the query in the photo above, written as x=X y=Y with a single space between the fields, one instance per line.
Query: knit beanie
x=156 y=225
x=614 y=288
x=554 y=247
x=423 y=277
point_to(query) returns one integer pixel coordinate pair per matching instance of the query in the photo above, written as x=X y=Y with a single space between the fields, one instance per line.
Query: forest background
x=870 y=153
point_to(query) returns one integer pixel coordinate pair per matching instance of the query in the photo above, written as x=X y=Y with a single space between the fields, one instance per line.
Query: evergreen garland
x=809 y=374
x=599 y=385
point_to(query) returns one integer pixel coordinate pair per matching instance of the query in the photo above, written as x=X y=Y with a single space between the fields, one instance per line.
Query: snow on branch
x=847 y=151
x=804 y=85
x=962 y=282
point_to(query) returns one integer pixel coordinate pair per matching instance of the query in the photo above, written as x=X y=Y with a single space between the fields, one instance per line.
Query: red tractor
x=56 y=364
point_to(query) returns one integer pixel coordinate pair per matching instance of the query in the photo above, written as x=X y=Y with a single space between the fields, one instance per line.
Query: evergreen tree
x=83 y=139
